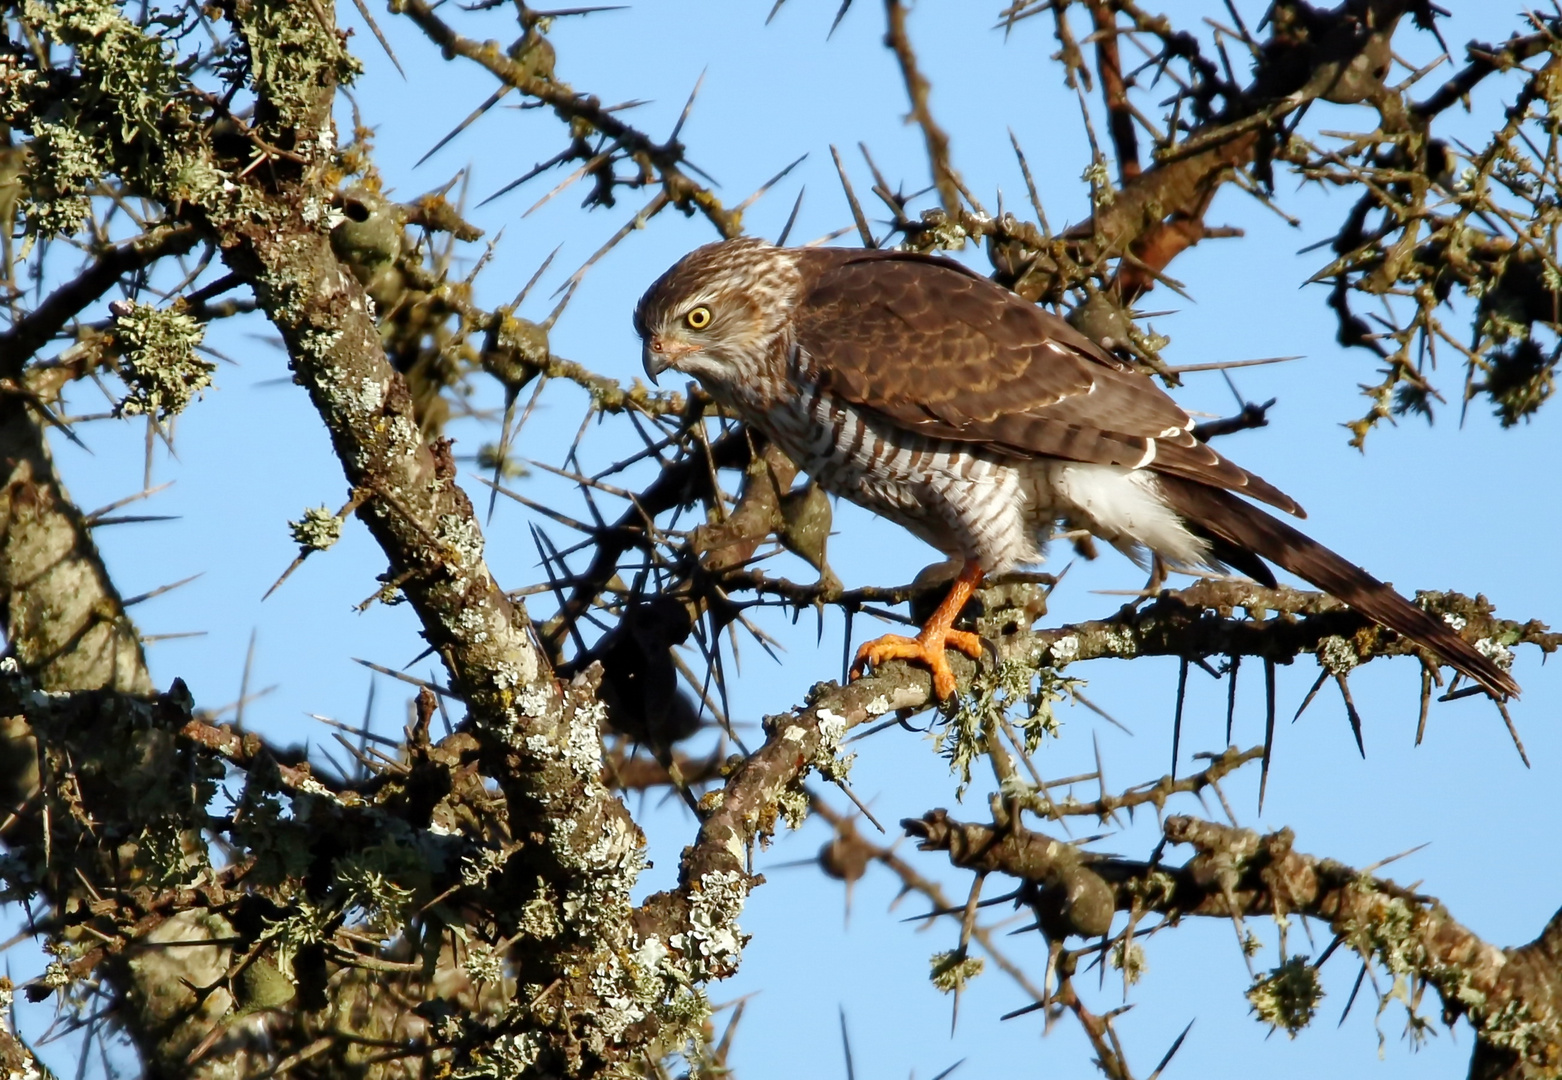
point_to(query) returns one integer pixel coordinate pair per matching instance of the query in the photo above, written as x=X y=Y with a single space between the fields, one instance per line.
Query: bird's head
x=716 y=313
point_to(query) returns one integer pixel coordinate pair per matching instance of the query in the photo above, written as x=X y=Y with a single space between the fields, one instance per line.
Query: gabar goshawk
x=934 y=397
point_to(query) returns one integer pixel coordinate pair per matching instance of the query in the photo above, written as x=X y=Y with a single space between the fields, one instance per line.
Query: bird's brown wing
x=942 y=351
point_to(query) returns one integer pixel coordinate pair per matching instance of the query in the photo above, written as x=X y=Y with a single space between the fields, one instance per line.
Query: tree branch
x=665 y=160
x=945 y=179
x=35 y=330
x=1509 y=995
x=65 y=622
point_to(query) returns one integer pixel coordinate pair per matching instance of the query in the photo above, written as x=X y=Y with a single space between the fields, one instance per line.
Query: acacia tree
x=459 y=901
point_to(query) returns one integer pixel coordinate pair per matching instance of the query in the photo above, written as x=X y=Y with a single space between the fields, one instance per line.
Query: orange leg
x=928 y=646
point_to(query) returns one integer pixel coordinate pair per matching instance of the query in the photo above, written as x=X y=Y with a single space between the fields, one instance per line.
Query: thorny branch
x=945 y=179
x=1508 y=995
x=498 y=861
x=661 y=163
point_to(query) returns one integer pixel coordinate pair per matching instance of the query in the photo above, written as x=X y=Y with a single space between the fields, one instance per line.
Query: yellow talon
x=927 y=648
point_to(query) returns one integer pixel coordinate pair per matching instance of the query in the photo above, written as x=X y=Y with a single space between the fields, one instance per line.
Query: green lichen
x=292 y=58
x=67 y=164
x=157 y=359
x=126 y=116
x=502 y=1058
x=712 y=946
x=483 y=964
x=939 y=230
x=1336 y=655
x=317 y=530
x=1154 y=889
x=57 y=975
x=383 y=883
x=479 y=865
x=832 y=765
x=462 y=538
x=792 y=805
x=1131 y=961
x=1014 y=691
x=1387 y=929
x=304 y=925
x=951 y=970
x=685 y=1014
x=169 y=856
x=18 y=87
x=1100 y=181
x=134 y=76
x=1513 y=1027
x=540 y=918
x=1287 y=997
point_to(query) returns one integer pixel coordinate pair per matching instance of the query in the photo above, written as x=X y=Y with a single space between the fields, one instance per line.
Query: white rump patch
x=1124 y=507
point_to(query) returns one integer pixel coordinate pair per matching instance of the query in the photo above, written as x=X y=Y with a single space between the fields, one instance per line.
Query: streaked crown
x=722 y=273
x=719 y=313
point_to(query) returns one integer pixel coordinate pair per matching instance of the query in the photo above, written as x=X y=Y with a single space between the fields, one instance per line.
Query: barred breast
x=970 y=502
x=966 y=504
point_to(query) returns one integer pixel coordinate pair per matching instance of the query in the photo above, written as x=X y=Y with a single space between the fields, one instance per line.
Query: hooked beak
x=659 y=355
x=654 y=359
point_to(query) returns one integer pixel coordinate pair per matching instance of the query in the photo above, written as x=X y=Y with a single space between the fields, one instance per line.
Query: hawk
x=936 y=398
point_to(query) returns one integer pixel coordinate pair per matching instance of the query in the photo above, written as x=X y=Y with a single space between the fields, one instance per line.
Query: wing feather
x=940 y=350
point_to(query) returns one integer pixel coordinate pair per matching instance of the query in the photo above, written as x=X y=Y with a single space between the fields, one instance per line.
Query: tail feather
x=1241 y=525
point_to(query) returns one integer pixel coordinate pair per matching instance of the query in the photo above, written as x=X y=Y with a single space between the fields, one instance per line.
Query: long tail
x=1244 y=526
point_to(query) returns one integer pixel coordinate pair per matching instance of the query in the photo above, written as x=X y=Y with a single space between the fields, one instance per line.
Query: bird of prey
x=934 y=397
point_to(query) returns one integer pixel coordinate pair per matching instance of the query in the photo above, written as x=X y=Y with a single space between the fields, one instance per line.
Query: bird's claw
x=926 y=649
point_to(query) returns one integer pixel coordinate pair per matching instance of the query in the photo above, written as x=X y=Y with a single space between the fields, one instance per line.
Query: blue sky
x=1445 y=507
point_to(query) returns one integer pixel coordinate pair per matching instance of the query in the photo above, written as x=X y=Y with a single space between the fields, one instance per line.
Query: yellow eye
x=699 y=318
